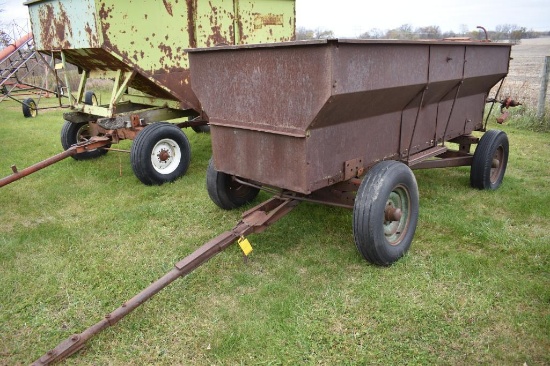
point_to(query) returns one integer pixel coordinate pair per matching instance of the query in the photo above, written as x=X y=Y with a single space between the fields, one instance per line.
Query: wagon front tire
x=385 y=213
x=225 y=192
x=160 y=153
x=73 y=133
x=490 y=160
x=29 y=108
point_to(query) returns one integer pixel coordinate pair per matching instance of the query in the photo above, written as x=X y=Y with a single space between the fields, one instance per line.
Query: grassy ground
x=79 y=238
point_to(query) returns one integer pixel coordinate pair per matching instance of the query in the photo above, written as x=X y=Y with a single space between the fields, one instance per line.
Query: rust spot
x=104 y=13
x=261 y=20
x=56 y=38
x=91 y=35
x=216 y=37
x=167 y=50
x=191 y=23
x=168 y=7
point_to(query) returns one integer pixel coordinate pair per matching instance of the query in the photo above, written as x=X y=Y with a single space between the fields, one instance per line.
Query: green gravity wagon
x=140 y=46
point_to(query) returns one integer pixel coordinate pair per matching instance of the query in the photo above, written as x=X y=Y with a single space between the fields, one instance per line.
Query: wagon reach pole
x=254 y=220
x=92 y=144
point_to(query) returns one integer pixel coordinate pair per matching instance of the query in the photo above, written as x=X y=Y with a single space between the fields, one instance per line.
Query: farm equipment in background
x=504 y=104
x=337 y=122
x=26 y=73
x=141 y=49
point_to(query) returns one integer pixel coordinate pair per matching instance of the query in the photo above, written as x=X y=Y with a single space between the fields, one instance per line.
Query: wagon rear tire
x=490 y=160
x=201 y=129
x=90 y=98
x=385 y=212
x=160 y=153
x=73 y=133
x=225 y=192
x=29 y=108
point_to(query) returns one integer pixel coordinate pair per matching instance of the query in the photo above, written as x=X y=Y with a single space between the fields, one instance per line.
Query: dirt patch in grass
x=524 y=78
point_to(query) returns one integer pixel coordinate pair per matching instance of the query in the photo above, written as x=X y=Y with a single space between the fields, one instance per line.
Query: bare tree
x=403 y=32
x=374 y=33
x=429 y=32
x=303 y=34
x=319 y=33
x=463 y=30
x=5 y=39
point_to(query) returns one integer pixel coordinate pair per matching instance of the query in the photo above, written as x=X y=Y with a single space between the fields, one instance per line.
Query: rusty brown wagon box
x=294 y=115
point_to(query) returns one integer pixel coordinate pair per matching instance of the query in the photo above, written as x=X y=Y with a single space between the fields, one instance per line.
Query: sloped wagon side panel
x=291 y=115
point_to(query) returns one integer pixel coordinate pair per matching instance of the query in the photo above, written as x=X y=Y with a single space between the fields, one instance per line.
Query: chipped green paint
x=150 y=36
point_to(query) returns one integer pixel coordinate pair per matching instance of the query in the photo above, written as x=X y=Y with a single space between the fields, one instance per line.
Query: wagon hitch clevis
x=254 y=220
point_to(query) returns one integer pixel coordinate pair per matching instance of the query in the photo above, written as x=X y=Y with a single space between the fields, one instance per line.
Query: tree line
x=510 y=32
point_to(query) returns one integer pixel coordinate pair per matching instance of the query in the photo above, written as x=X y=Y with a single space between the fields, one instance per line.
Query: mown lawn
x=79 y=238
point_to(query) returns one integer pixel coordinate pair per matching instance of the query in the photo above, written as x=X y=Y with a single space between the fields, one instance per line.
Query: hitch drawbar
x=95 y=142
x=254 y=220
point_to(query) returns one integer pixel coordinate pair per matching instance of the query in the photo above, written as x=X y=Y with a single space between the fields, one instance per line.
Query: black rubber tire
x=490 y=160
x=72 y=133
x=29 y=108
x=381 y=241
x=201 y=129
x=145 y=153
x=225 y=192
x=90 y=98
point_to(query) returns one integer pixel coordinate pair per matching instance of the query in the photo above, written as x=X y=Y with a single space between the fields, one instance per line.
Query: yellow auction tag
x=245 y=245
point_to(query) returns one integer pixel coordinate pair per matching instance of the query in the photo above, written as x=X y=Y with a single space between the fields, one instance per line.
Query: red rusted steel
x=92 y=144
x=254 y=220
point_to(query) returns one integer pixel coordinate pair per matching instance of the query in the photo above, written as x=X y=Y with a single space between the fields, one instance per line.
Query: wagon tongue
x=95 y=142
x=254 y=220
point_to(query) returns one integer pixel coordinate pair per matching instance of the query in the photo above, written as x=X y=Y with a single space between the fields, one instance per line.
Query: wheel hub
x=166 y=156
x=396 y=215
x=391 y=213
x=163 y=155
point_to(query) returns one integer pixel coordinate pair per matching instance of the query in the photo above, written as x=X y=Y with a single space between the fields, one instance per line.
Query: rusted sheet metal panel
x=215 y=23
x=151 y=36
x=65 y=24
x=290 y=85
x=266 y=157
x=265 y=21
x=291 y=115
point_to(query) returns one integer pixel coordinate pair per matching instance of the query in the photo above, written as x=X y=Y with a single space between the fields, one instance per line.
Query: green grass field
x=79 y=238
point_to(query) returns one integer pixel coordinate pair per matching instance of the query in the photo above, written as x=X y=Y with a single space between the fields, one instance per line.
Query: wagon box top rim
x=458 y=41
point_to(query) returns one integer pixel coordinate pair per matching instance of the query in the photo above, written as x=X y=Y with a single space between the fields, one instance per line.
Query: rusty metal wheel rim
x=166 y=156
x=395 y=228
x=33 y=109
x=83 y=134
x=496 y=165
